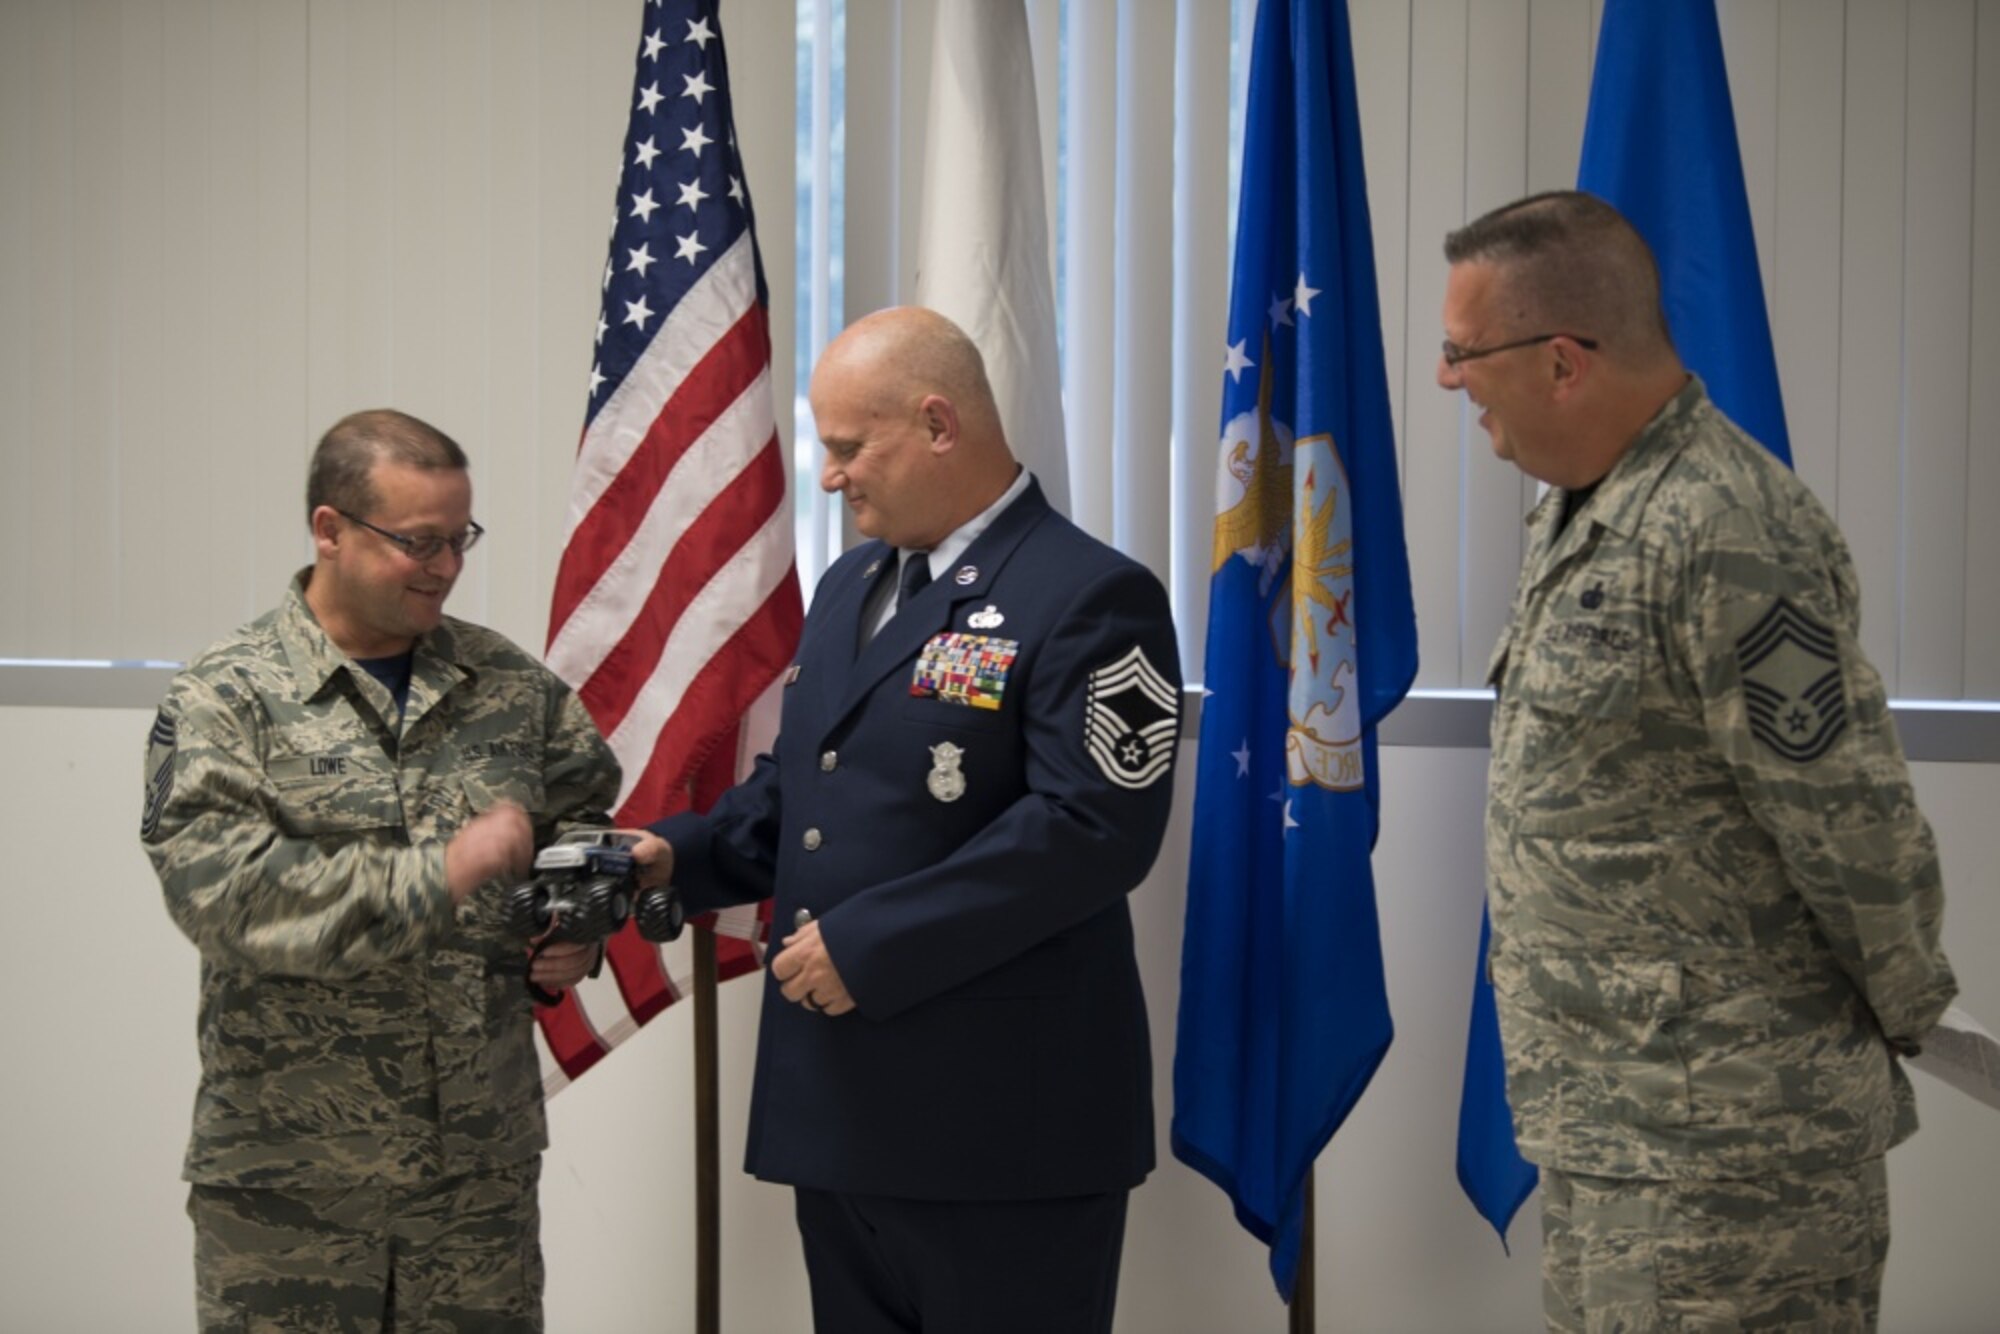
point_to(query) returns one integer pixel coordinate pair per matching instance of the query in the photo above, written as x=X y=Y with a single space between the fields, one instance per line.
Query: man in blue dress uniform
x=973 y=770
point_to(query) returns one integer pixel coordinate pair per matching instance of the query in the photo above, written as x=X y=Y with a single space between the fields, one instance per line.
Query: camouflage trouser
x=1774 y=1253
x=460 y=1254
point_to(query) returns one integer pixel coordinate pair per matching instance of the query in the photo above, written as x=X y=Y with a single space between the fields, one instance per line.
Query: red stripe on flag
x=642 y=979
x=734 y=517
x=722 y=376
x=727 y=684
x=570 y=1038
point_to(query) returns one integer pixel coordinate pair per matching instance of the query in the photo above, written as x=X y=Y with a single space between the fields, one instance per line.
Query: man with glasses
x=1715 y=904
x=328 y=791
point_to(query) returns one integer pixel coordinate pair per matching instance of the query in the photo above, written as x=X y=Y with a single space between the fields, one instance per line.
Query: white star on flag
x=1281 y=311
x=650 y=97
x=641 y=260
x=643 y=206
x=596 y=379
x=1242 y=758
x=644 y=153
x=1237 y=362
x=736 y=189
x=695 y=140
x=690 y=247
x=1302 y=296
x=637 y=313
x=692 y=194
x=698 y=85
x=699 y=34
x=654 y=44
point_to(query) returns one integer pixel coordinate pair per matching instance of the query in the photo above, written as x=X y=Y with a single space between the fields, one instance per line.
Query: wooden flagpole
x=707 y=1154
x=1302 y=1320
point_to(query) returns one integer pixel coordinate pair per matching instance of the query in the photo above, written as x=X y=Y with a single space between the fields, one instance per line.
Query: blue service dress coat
x=963 y=803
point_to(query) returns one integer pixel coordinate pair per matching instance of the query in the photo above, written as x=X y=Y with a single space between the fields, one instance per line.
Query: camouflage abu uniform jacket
x=351 y=1026
x=1715 y=903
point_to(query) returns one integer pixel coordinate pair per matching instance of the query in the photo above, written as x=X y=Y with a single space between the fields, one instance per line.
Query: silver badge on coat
x=990 y=619
x=946 y=781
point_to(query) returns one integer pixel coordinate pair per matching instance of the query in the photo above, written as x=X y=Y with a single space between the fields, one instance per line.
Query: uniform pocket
x=1594 y=1034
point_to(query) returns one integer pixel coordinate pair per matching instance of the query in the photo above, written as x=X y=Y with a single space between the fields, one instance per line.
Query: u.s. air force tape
x=1130 y=720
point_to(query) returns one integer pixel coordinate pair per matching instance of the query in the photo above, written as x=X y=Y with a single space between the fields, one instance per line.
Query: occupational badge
x=989 y=619
x=873 y=566
x=1792 y=686
x=1131 y=720
x=967 y=575
x=946 y=780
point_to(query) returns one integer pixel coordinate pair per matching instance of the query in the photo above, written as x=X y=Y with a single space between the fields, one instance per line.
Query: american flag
x=676 y=603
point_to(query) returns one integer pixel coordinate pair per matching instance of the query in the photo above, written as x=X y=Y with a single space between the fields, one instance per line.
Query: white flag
x=983 y=244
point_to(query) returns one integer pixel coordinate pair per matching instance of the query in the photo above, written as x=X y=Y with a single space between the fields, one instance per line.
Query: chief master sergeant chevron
x=328 y=789
x=1715 y=904
x=972 y=771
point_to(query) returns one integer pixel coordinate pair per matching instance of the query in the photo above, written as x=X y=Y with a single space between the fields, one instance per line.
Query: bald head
x=1567 y=261
x=904 y=353
x=913 y=437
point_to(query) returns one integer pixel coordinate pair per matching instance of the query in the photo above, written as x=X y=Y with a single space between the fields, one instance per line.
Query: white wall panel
x=1803 y=265
x=20 y=140
x=1750 y=49
x=48 y=434
x=1871 y=286
x=1142 y=277
x=1559 y=60
x=512 y=98
x=148 y=518
x=1982 y=491
x=1434 y=422
x=1381 y=33
x=1493 y=494
x=1937 y=322
x=98 y=205
x=1200 y=316
x=1090 y=88
x=879 y=112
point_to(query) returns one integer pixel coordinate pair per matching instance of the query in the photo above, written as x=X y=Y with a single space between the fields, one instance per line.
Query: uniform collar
x=315 y=660
x=1620 y=502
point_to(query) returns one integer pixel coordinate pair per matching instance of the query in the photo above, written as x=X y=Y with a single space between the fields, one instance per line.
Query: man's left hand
x=806 y=973
x=562 y=965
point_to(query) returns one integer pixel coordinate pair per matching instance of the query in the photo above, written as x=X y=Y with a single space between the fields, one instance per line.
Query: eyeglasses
x=1454 y=355
x=424 y=549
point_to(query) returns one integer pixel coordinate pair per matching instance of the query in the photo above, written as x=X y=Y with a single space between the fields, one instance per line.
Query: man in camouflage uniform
x=1715 y=904
x=328 y=792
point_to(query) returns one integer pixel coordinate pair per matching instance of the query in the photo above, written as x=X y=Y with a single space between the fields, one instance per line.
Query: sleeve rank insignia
x=1792 y=683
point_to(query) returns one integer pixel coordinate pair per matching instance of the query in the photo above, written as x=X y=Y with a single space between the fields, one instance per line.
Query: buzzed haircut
x=1570 y=263
x=352 y=446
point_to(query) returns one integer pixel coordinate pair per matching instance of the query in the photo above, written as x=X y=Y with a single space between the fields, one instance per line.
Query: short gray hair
x=1570 y=263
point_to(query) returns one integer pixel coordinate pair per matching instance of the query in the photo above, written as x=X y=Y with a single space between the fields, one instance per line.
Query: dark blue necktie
x=916 y=573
